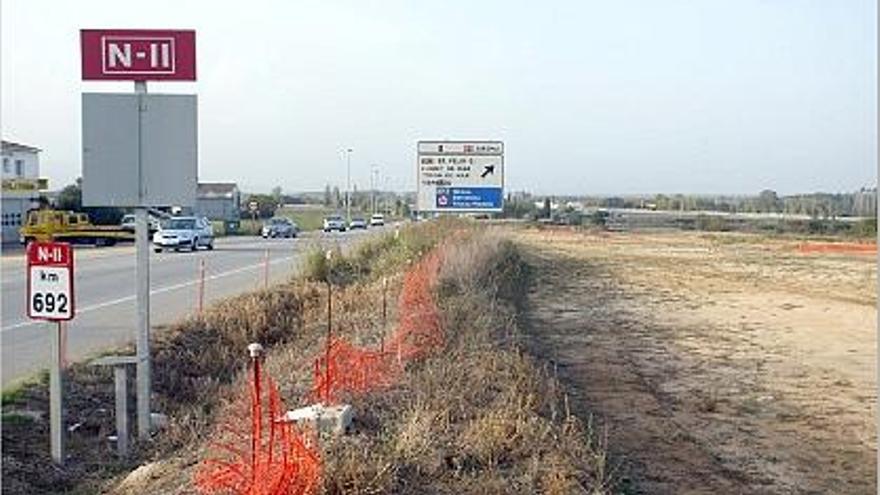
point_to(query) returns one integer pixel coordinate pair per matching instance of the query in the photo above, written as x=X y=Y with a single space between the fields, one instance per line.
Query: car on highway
x=184 y=232
x=334 y=222
x=357 y=223
x=279 y=227
x=127 y=223
x=377 y=220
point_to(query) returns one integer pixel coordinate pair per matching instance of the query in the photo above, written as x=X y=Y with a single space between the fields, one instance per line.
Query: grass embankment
x=480 y=416
x=196 y=363
x=477 y=417
x=308 y=218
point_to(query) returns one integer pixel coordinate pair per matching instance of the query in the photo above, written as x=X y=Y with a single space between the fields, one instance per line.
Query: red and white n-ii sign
x=50 y=281
x=138 y=54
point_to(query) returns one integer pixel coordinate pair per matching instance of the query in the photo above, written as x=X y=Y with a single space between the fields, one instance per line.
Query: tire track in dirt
x=751 y=379
x=570 y=324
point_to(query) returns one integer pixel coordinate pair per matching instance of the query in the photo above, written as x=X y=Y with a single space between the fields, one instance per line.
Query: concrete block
x=325 y=419
x=158 y=421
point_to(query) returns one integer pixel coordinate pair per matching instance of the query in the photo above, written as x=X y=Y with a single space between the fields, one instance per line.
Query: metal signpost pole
x=56 y=387
x=142 y=281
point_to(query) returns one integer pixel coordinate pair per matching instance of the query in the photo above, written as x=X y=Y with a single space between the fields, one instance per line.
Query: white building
x=21 y=186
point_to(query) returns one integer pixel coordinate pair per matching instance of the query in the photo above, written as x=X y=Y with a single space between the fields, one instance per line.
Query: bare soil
x=718 y=363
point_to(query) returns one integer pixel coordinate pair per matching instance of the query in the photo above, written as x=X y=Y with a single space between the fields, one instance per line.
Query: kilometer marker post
x=50 y=297
x=56 y=396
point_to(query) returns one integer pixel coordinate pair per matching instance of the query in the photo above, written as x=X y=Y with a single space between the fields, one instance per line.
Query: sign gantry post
x=50 y=297
x=139 y=150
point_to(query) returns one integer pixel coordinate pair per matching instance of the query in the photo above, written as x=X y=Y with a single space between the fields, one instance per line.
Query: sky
x=589 y=97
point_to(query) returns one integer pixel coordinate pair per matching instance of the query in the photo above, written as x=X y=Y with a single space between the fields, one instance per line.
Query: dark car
x=280 y=227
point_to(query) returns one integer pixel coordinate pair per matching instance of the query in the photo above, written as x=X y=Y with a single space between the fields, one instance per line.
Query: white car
x=377 y=220
x=334 y=222
x=127 y=223
x=184 y=232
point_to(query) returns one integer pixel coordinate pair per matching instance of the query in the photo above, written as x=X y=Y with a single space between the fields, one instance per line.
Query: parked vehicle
x=184 y=232
x=68 y=226
x=334 y=222
x=279 y=227
x=377 y=220
x=357 y=223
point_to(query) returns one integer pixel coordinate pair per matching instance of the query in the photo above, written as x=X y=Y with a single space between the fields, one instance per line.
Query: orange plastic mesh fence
x=838 y=247
x=356 y=370
x=266 y=456
x=271 y=456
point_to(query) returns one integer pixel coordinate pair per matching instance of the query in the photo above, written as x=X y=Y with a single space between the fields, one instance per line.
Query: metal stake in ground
x=255 y=352
x=201 y=287
x=329 y=330
x=384 y=314
x=266 y=270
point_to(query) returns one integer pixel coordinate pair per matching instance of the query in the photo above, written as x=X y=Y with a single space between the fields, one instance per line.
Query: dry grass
x=480 y=417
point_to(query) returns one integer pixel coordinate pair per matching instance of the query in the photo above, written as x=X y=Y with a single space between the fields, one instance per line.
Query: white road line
x=160 y=290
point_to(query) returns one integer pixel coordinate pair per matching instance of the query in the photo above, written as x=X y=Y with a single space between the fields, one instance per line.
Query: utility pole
x=374 y=178
x=388 y=191
x=348 y=184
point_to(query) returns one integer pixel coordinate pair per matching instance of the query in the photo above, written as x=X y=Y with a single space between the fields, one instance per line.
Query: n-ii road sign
x=50 y=281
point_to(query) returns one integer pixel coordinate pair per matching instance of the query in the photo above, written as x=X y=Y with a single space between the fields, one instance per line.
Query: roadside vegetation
x=478 y=417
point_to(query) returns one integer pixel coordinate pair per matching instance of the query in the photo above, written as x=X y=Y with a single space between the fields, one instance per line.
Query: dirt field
x=718 y=363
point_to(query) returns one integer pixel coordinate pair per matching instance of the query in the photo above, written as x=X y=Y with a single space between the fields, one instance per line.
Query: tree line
x=861 y=203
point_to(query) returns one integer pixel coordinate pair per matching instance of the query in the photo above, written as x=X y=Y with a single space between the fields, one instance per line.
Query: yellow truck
x=67 y=226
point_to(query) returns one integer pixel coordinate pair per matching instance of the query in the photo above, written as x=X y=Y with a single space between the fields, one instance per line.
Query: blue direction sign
x=469 y=198
x=460 y=176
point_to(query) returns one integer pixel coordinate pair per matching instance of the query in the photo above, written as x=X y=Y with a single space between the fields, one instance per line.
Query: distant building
x=218 y=201
x=865 y=202
x=21 y=186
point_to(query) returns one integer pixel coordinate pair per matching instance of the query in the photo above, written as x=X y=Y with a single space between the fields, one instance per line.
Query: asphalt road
x=105 y=287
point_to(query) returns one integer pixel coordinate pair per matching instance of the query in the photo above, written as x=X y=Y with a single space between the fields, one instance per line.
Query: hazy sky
x=589 y=96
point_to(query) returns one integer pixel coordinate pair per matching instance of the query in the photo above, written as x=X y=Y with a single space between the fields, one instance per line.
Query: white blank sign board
x=166 y=142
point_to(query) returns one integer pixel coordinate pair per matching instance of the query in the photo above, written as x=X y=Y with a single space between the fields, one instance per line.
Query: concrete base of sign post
x=324 y=419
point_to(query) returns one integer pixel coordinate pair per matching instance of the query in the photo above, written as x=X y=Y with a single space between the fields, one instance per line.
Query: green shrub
x=712 y=223
x=865 y=228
